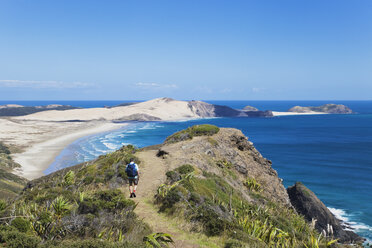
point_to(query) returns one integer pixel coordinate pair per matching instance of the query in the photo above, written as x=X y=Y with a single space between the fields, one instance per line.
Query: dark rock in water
x=308 y=204
x=266 y=113
x=326 y=108
x=250 y=108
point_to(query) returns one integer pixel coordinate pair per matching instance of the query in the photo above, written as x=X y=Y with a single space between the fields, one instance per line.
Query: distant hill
x=326 y=108
x=19 y=110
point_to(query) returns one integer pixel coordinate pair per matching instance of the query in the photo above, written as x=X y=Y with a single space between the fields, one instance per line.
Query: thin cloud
x=256 y=90
x=156 y=85
x=42 y=84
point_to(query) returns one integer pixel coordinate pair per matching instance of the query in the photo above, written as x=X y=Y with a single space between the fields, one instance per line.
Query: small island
x=326 y=108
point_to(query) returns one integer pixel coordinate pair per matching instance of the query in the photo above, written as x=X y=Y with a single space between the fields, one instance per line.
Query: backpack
x=131 y=170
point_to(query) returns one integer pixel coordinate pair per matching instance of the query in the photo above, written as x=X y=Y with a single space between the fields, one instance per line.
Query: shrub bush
x=173 y=176
x=185 y=169
x=21 y=224
x=15 y=239
x=3 y=205
x=189 y=133
x=88 y=179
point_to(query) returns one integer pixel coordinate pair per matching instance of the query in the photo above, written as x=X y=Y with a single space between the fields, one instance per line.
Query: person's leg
x=135 y=187
x=131 y=188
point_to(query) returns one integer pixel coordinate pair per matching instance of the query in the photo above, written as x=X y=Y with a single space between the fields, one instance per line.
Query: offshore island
x=203 y=186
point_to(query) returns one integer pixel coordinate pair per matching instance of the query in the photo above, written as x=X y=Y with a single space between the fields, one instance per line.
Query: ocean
x=330 y=154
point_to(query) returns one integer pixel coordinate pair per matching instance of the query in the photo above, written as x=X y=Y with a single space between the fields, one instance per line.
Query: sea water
x=330 y=154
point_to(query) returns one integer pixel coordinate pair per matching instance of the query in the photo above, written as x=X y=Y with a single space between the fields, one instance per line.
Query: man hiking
x=133 y=176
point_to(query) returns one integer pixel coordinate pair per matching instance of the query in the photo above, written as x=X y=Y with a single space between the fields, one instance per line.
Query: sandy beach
x=276 y=113
x=40 y=142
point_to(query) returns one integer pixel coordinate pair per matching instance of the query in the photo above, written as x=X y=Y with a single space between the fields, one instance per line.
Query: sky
x=186 y=49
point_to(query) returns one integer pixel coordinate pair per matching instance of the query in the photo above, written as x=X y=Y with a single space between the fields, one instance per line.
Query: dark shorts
x=133 y=180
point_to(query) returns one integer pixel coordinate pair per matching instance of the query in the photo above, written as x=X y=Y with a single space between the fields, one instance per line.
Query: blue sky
x=191 y=49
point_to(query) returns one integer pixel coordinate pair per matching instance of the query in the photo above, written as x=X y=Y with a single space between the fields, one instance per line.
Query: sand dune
x=162 y=109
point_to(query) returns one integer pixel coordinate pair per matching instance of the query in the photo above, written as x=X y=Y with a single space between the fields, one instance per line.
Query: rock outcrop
x=232 y=147
x=308 y=204
x=250 y=108
x=326 y=108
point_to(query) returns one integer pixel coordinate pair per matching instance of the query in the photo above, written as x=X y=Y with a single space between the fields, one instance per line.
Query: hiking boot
x=131 y=195
x=134 y=194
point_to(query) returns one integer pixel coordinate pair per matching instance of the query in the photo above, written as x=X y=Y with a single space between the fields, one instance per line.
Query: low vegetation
x=212 y=206
x=10 y=184
x=189 y=133
x=81 y=206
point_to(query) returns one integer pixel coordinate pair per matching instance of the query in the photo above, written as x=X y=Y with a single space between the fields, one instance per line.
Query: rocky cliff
x=308 y=204
x=326 y=108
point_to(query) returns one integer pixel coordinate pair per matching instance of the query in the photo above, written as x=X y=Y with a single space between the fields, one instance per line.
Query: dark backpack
x=131 y=170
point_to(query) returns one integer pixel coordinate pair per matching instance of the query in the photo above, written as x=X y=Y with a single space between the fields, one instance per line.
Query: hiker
x=133 y=176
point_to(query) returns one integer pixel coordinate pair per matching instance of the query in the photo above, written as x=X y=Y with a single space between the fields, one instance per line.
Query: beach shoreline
x=277 y=113
x=37 y=157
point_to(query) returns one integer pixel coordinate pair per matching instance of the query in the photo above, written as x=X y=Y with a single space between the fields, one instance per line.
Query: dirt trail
x=152 y=173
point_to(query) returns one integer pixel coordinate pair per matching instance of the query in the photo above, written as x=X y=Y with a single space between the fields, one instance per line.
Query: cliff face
x=308 y=204
x=326 y=108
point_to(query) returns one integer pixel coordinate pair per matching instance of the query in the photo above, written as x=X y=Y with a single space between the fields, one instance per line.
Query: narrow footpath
x=152 y=173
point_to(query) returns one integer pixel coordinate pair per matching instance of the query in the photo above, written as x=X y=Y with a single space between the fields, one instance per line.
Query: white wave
x=346 y=218
x=111 y=146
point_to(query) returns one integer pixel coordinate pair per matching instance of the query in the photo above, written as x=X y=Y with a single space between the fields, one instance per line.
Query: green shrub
x=122 y=173
x=69 y=178
x=109 y=173
x=3 y=205
x=205 y=129
x=21 y=224
x=171 y=198
x=15 y=239
x=185 y=169
x=232 y=243
x=173 y=176
x=88 y=179
x=213 y=223
x=252 y=185
x=189 y=133
x=109 y=200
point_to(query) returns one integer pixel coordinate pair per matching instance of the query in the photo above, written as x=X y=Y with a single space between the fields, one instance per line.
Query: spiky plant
x=69 y=178
x=60 y=206
x=158 y=240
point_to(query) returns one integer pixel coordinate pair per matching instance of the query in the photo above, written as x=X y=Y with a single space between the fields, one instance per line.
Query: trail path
x=152 y=173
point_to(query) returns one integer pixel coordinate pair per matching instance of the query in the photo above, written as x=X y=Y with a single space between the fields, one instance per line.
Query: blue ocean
x=330 y=154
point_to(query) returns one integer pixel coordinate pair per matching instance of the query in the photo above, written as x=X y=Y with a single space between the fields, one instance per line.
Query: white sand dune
x=162 y=108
